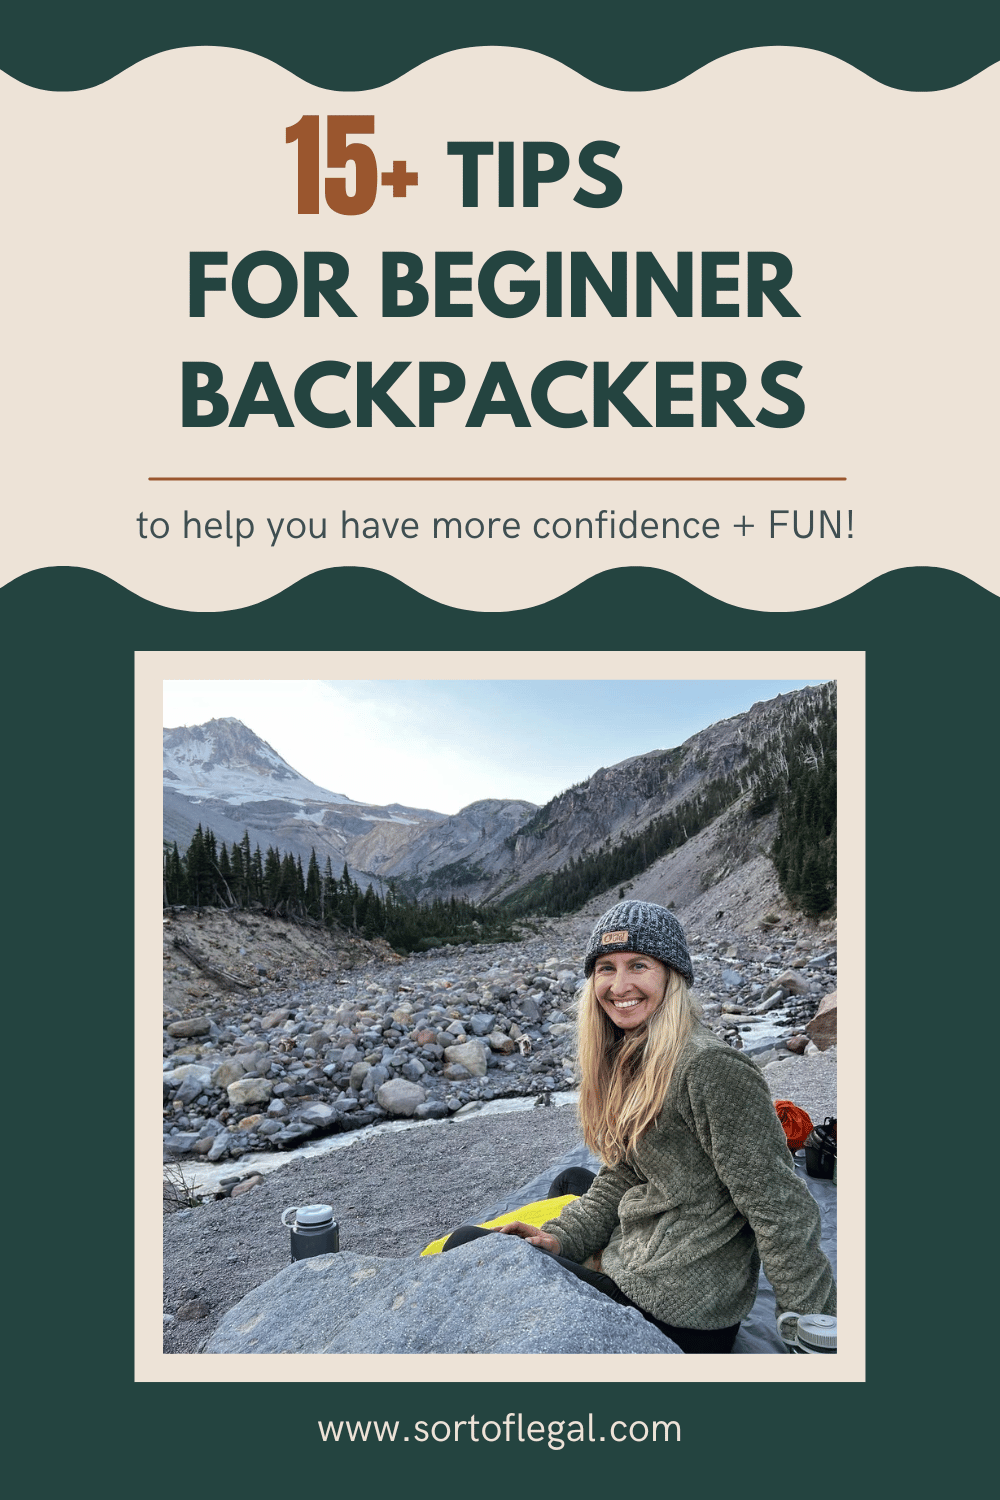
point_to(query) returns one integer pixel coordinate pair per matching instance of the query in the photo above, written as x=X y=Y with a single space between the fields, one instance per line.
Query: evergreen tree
x=314 y=893
x=288 y=884
x=328 y=893
x=199 y=872
x=272 y=877
x=238 y=882
x=174 y=878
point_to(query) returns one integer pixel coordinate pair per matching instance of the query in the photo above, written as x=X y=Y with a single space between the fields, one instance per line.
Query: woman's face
x=629 y=987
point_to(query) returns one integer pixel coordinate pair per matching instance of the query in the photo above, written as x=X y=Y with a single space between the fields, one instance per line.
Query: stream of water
x=208 y=1177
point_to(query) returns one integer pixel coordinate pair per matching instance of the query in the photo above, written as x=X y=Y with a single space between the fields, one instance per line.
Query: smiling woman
x=629 y=987
x=697 y=1186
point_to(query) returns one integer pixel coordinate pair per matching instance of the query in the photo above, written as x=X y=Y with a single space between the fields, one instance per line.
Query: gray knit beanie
x=640 y=927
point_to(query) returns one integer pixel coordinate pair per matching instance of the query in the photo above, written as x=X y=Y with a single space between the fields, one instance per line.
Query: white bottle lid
x=819 y=1331
x=313 y=1216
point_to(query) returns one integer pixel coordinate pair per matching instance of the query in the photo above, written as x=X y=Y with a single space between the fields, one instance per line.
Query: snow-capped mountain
x=227 y=778
x=225 y=759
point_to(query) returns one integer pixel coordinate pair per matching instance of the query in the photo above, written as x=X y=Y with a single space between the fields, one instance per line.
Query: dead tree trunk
x=221 y=976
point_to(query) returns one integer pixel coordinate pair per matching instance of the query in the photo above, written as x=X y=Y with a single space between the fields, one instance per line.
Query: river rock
x=227 y=1073
x=185 y=1071
x=192 y=1088
x=496 y=1295
x=195 y=1026
x=318 y=1114
x=246 y=1091
x=822 y=1029
x=220 y=1146
x=434 y=1109
x=374 y=1079
x=183 y=1141
x=400 y=1097
x=246 y=1186
x=274 y=1018
x=468 y=1055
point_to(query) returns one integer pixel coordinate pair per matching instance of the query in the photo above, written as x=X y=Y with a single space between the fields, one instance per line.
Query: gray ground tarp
x=758 y=1333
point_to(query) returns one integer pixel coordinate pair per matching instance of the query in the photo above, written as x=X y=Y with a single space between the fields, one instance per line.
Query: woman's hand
x=533 y=1235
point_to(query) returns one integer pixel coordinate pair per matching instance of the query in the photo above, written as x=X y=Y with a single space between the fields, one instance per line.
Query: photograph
x=500 y=966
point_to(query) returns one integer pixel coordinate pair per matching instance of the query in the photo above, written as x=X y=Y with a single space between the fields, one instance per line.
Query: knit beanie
x=640 y=927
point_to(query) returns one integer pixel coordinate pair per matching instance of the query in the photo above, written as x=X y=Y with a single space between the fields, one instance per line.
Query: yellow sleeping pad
x=532 y=1213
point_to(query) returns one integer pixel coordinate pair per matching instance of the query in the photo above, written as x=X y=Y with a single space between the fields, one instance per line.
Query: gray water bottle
x=314 y=1230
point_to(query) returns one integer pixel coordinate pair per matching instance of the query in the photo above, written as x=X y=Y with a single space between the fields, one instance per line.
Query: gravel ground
x=392 y=1194
x=810 y=1082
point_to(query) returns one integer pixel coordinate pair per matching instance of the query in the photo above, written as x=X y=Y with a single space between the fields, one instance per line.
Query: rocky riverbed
x=357 y=1035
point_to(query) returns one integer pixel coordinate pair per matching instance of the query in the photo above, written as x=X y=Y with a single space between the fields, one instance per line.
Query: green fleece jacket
x=708 y=1193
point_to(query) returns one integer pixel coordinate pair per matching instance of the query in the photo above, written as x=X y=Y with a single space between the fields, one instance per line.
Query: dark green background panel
x=637 y=44
x=70 y=636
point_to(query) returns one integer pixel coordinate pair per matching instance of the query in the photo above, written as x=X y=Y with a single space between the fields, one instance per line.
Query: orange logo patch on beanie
x=614 y=937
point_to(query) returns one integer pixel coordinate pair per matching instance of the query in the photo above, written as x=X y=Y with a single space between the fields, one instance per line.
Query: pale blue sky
x=441 y=745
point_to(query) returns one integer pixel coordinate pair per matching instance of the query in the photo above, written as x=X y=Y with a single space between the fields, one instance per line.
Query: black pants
x=691 y=1340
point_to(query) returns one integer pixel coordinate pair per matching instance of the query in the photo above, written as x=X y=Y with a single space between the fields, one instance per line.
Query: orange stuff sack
x=794 y=1122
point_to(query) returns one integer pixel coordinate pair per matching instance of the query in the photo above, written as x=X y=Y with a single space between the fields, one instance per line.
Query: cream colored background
x=879 y=197
x=151 y=670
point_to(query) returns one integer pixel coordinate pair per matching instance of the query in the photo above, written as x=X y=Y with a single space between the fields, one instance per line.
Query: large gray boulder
x=495 y=1295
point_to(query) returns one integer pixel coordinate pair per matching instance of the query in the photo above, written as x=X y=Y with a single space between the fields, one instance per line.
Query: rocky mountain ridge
x=613 y=803
x=453 y=856
x=223 y=776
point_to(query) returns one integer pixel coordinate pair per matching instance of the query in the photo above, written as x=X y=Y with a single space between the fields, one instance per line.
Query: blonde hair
x=624 y=1076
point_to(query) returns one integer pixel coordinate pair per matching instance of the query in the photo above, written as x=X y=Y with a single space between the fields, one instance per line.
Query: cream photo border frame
x=153 y=668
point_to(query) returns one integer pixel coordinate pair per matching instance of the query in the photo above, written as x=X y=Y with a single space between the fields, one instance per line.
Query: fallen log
x=221 y=976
